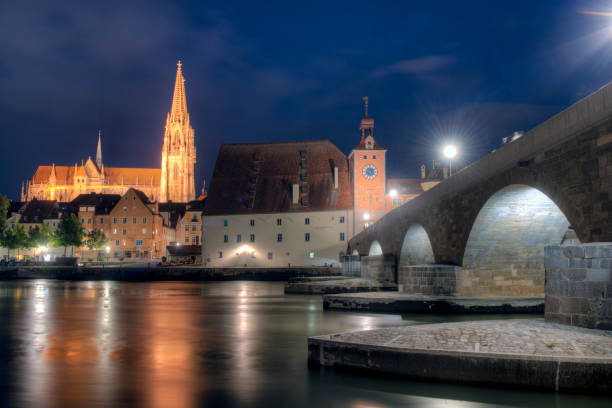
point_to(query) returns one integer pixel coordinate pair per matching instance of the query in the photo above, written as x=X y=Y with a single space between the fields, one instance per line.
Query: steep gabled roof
x=259 y=178
x=36 y=211
x=114 y=175
x=103 y=203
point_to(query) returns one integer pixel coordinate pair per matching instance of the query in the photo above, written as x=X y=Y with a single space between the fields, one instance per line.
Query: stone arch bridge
x=482 y=232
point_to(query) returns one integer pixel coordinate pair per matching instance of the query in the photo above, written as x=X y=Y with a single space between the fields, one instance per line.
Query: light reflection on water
x=175 y=344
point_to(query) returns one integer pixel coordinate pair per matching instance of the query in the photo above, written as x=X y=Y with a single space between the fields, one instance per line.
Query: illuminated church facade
x=173 y=182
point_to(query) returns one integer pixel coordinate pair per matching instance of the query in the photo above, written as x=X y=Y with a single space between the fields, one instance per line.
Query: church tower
x=178 y=152
x=368 y=171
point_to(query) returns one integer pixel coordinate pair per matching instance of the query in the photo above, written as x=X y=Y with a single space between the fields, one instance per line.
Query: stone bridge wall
x=579 y=285
x=378 y=267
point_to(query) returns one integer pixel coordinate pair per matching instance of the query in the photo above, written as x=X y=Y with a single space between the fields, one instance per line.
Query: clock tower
x=368 y=173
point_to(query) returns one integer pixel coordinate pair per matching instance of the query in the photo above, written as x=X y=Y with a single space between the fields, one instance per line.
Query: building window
x=269 y=255
x=193 y=227
x=144 y=231
x=124 y=220
x=186 y=227
x=82 y=220
x=374 y=157
x=342 y=236
x=397 y=202
x=133 y=220
x=193 y=240
x=89 y=220
x=101 y=220
x=125 y=208
x=186 y=240
x=252 y=237
x=279 y=237
x=139 y=242
x=341 y=220
x=238 y=238
x=225 y=238
x=225 y=223
x=124 y=231
x=144 y=220
x=365 y=156
x=307 y=221
x=116 y=242
x=311 y=255
x=307 y=236
x=220 y=254
x=279 y=221
x=114 y=230
x=252 y=223
x=114 y=220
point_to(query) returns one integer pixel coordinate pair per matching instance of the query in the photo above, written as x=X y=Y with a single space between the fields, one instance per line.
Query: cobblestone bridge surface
x=526 y=337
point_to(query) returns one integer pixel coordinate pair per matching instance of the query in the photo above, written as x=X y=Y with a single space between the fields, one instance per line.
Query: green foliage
x=4 y=204
x=40 y=237
x=69 y=231
x=14 y=238
x=96 y=239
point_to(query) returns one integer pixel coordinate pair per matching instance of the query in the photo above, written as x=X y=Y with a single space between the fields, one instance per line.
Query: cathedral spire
x=99 y=151
x=179 y=101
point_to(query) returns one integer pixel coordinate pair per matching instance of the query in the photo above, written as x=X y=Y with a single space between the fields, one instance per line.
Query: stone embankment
x=339 y=285
x=514 y=353
x=155 y=273
x=398 y=302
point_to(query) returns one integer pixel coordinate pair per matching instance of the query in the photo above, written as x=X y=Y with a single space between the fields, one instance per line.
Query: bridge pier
x=440 y=280
x=379 y=267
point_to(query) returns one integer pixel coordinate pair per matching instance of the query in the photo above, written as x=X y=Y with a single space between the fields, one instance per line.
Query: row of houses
x=135 y=226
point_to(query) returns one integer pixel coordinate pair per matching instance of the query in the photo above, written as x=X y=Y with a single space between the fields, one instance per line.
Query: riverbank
x=510 y=353
x=338 y=285
x=150 y=272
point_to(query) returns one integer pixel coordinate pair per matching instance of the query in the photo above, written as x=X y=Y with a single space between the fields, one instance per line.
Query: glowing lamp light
x=450 y=151
x=245 y=249
x=393 y=193
x=107 y=249
x=366 y=216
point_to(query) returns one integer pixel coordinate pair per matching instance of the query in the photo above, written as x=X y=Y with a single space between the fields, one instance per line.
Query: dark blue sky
x=470 y=71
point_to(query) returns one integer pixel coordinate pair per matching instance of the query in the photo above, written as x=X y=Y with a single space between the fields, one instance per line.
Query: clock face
x=369 y=172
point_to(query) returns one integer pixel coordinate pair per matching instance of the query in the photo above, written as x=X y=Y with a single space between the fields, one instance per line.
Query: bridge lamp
x=450 y=152
x=366 y=216
x=393 y=193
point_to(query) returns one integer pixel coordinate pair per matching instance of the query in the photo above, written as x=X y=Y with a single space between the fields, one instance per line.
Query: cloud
x=416 y=66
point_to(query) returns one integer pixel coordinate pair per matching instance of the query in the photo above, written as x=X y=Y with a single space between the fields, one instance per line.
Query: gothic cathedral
x=178 y=151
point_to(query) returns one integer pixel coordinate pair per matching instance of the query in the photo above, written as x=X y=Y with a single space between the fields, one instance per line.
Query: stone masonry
x=378 y=267
x=579 y=285
x=429 y=279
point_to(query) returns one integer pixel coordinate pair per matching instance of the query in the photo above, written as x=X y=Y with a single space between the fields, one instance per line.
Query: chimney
x=445 y=172
x=422 y=171
x=296 y=194
x=335 y=178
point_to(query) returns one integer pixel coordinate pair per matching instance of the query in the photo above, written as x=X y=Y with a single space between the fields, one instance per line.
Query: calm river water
x=176 y=344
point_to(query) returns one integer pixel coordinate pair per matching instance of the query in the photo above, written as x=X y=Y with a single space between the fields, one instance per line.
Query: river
x=186 y=344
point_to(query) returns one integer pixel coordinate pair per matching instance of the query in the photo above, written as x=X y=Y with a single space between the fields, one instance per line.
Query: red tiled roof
x=407 y=186
x=259 y=177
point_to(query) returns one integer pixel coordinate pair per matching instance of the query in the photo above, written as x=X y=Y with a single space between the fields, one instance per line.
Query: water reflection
x=198 y=344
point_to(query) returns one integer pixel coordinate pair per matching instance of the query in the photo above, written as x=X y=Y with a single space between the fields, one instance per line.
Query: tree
x=39 y=237
x=69 y=232
x=96 y=239
x=14 y=238
x=4 y=204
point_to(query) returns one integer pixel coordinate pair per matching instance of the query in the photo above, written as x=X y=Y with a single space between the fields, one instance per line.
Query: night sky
x=467 y=71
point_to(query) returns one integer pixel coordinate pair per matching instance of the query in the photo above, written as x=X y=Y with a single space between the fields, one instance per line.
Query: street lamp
x=450 y=152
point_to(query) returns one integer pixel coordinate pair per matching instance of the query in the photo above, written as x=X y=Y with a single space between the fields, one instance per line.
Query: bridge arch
x=375 y=249
x=416 y=247
x=504 y=253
